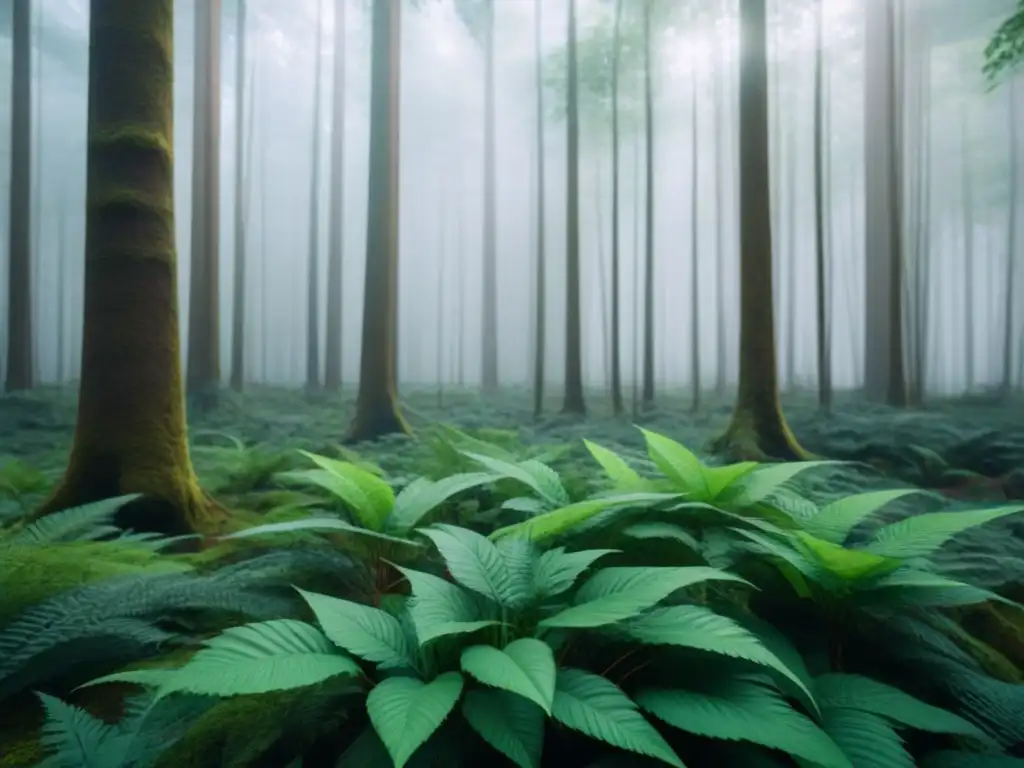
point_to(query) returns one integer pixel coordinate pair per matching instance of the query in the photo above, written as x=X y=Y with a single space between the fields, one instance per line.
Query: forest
x=601 y=383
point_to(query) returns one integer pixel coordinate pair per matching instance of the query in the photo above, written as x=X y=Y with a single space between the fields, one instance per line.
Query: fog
x=964 y=129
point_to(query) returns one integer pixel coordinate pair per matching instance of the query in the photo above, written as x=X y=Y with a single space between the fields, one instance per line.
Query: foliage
x=1005 y=50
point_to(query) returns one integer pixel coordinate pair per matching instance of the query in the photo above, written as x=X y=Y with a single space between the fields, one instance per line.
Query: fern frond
x=88 y=521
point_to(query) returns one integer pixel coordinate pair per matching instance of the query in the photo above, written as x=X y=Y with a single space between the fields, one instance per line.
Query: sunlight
x=685 y=52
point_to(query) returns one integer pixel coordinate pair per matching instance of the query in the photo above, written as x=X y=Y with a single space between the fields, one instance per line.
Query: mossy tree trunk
x=758 y=429
x=241 y=198
x=204 y=283
x=573 y=401
x=130 y=435
x=377 y=411
x=20 y=352
x=336 y=222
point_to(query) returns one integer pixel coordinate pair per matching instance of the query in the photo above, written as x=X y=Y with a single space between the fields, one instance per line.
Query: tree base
x=373 y=423
x=749 y=438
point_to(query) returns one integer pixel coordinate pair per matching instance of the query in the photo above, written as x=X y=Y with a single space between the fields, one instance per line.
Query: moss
x=759 y=433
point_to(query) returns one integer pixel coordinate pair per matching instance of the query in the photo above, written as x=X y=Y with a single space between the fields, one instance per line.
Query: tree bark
x=540 y=322
x=758 y=429
x=647 y=395
x=336 y=222
x=616 y=346
x=130 y=435
x=694 y=248
x=313 y=261
x=20 y=373
x=823 y=284
x=377 y=412
x=239 y=292
x=489 y=326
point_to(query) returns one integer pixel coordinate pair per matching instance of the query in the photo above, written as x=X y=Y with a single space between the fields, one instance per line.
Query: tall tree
x=377 y=412
x=822 y=283
x=313 y=263
x=20 y=347
x=647 y=395
x=1012 y=237
x=573 y=400
x=540 y=306
x=694 y=244
x=239 y=286
x=204 y=284
x=130 y=435
x=758 y=429
x=336 y=220
x=616 y=342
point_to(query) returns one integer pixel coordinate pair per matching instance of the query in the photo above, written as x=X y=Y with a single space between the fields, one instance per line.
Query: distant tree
x=377 y=412
x=241 y=196
x=540 y=290
x=336 y=217
x=130 y=436
x=758 y=429
x=203 y=374
x=20 y=372
x=573 y=399
x=313 y=262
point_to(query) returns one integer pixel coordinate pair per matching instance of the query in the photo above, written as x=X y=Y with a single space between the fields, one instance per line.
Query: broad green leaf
x=784 y=550
x=619 y=472
x=560 y=521
x=760 y=484
x=525 y=667
x=693 y=626
x=614 y=594
x=511 y=724
x=922 y=535
x=742 y=708
x=598 y=708
x=660 y=530
x=538 y=481
x=921 y=589
x=406 y=712
x=363 y=631
x=867 y=695
x=323 y=525
x=369 y=497
x=866 y=739
x=678 y=464
x=475 y=563
x=423 y=496
x=254 y=658
x=835 y=520
x=439 y=608
x=720 y=479
x=520 y=558
x=546 y=478
x=556 y=570
x=846 y=564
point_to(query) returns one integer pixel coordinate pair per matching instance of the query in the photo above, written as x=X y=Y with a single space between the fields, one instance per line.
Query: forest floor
x=967 y=447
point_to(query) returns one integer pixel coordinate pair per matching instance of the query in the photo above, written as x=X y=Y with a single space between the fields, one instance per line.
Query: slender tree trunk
x=969 y=265
x=790 y=261
x=540 y=322
x=130 y=435
x=616 y=347
x=204 y=283
x=313 y=273
x=573 y=399
x=442 y=279
x=822 y=282
x=694 y=249
x=238 y=305
x=336 y=220
x=758 y=430
x=20 y=372
x=721 y=361
x=599 y=271
x=647 y=396
x=377 y=411
x=636 y=276
x=62 y=282
x=1009 y=316
x=489 y=327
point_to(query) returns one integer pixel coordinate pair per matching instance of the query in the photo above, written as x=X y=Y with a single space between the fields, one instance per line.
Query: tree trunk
x=694 y=249
x=647 y=396
x=758 y=429
x=792 y=198
x=313 y=262
x=573 y=401
x=823 y=284
x=336 y=221
x=968 y=227
x=238 y=304
x=540 y=322
x=377 y=411
x=20 y=373
x=616 y=347
x=1009 y=316
x=721 y=361
x=489 y=327
x=204 y=284
x=130 y=436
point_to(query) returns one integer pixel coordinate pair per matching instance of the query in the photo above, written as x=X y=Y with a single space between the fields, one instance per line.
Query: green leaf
x=439 y=608
x=598 y=708
x=475 y=563
x=744 y=709
x=678 y=464
x=846 y=564
x=921 y=589
x=614 y=594
x=368 y=497
x=835 y=520
x=556 y=570
x=547 y=487
x=511 y=724
x=559 y=521
x=693 y=626
x=73 y=737
x=619 y=472
x=69 y=524
x=922 y=535
x=322 y=525
x=423 y=496
x=254 y=658
x=362 y=630
x=406 y=712
x=867 y=695
x=767 y=479
x=721 y=479
x=525 y=667
x=661 y=530
x=867 y=740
